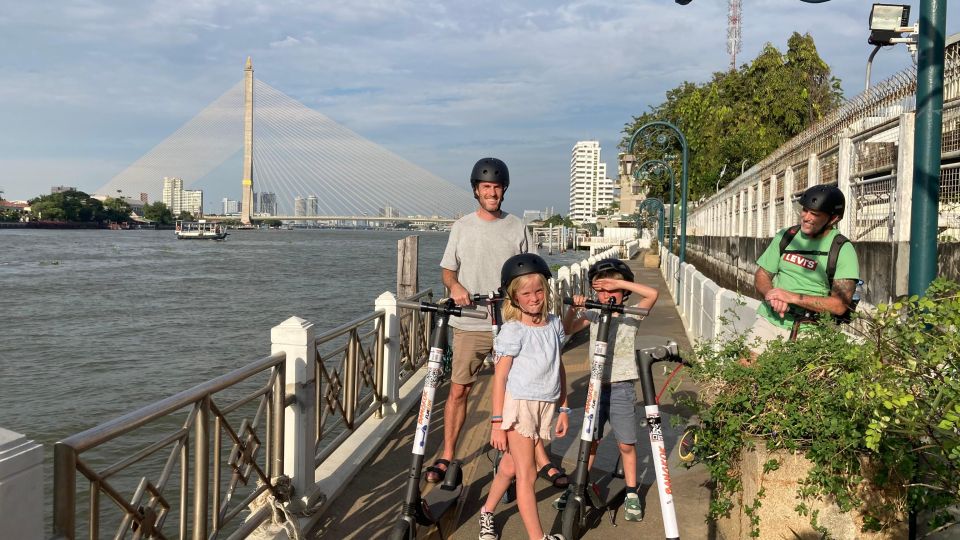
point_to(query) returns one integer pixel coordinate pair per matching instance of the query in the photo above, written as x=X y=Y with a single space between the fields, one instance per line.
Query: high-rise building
x=230 y=206
x=299 y=206
x=173 y=194
x=61 y=189
x=266 y=204
x=590 y=189
x=192 y=201
x=180 y=200
x=313 y=205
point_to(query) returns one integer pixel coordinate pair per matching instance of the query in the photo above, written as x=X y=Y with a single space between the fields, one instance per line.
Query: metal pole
x=869 y=66
x=201 y=457
x=64 y=491
x=927 y=139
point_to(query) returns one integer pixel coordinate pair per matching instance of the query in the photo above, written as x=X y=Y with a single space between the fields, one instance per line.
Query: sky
x=89 y=86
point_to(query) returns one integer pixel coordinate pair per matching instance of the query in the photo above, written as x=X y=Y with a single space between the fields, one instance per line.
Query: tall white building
x=590 y=189
x=173 y=194
x=192 y=201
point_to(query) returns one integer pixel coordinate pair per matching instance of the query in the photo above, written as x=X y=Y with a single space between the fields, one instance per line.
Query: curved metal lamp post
x=652 y=164
x=651 y=205
x=656 y=136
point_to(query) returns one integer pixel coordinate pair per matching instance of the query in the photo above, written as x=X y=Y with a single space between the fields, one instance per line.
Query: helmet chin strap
x=826 y=226
x=525 y=312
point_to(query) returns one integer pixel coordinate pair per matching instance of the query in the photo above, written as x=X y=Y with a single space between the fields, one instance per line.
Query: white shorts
x=763 y=332
x=532 y=419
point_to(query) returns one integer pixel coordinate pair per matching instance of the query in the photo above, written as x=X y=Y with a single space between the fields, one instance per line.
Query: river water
x=98 y=323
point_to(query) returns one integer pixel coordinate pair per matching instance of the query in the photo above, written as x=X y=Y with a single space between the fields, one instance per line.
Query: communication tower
x=734 y=18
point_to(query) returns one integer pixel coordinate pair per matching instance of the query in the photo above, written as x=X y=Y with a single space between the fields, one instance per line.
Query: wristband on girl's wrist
x=562 y=410
x=496 y=419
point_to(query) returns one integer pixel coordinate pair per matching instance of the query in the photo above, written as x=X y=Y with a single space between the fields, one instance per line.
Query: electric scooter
x=650 y=350
x=576 y=511
x=430 y=509
x=493 y=301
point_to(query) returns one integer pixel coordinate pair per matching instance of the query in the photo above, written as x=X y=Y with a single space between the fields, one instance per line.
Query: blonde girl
x=529 y=388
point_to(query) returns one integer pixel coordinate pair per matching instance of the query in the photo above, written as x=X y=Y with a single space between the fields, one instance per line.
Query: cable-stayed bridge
x=297 y=153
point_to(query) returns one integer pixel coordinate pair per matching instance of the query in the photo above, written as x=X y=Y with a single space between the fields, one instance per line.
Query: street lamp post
x=928 y=136
x=656 y=136
x=651 y=205
x=659 y=163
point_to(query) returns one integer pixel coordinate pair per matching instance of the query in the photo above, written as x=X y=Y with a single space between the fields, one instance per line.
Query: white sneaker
x=487 y=530
x=632 y=509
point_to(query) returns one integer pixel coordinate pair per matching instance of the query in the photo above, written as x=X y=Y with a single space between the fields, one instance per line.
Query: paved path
x=374 y=496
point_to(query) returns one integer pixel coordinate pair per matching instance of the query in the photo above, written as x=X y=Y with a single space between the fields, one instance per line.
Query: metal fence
x=191 y=465
x=860 y=147
x=210 y=450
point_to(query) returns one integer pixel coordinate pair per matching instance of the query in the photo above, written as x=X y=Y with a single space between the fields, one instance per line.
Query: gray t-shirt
x=476 y=250
x=623 y=331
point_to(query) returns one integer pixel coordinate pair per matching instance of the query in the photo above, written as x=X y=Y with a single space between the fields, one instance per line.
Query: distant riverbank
x=75 y=225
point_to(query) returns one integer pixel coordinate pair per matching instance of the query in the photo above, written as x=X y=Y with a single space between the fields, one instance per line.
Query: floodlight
x=885 y=21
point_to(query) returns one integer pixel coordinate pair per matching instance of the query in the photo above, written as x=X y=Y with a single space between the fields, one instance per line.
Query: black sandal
x=436 y=474
x=558 y=479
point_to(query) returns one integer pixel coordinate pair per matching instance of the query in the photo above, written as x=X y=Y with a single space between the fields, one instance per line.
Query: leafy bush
x=884 y=404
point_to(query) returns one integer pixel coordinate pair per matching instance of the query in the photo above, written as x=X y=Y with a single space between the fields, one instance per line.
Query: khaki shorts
x=469 y=351
x=532 y=419
x=763 y=332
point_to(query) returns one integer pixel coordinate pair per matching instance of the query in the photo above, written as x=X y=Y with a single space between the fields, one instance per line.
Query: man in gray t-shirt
x=479 y=244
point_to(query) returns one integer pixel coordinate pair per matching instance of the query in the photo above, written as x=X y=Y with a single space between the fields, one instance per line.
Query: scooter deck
x=439 y=500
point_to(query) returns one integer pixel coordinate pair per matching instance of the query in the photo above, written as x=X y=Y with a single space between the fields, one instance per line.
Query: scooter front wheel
x=402 y=530
x=572 y=519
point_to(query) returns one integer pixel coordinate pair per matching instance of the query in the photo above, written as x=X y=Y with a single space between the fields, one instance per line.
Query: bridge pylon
x=246 y=202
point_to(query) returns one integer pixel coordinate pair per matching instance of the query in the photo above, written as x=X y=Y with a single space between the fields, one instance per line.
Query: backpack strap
x=788 y=237
x=838 y=241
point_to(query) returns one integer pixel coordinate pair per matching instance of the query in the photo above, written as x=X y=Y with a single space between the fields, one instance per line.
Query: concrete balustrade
x=709 y=312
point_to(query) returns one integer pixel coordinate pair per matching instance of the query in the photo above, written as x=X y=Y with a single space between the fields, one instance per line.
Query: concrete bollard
x=21 y=486
x=387 y=303
x=296 y=337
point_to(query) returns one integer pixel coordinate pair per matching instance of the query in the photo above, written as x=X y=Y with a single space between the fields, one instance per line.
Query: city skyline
x=426 y=82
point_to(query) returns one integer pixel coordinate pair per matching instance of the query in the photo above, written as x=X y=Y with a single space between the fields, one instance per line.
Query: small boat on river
x=200 y=230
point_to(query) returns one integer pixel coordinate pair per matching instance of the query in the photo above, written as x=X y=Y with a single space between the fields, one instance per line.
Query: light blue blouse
x=535 y=371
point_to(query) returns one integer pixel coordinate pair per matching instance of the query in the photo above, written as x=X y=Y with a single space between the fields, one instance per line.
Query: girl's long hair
x=513 y=313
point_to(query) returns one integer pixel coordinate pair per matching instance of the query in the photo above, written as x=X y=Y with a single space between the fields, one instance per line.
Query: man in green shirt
x=795 y=279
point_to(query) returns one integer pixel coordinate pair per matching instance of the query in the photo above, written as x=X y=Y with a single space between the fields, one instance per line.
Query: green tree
x=158 y=213
x=116 y=209
x=741 y=116
x=67 y=206
x=185 y=216
x=557 y=220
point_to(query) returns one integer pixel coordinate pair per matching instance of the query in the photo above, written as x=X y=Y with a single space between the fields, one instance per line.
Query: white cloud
x=440 y=81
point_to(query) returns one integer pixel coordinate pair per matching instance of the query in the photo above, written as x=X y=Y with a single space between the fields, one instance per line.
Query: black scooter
x=493 y=302
x=576 y=512
x=430 y=509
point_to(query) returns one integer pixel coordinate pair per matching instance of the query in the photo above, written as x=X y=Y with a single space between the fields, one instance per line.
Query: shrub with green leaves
x=889 y=396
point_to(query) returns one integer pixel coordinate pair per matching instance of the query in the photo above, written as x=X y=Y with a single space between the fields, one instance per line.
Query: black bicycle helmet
x=521 y=265
x=609 y=265
x=822 y=198
x=490 y=170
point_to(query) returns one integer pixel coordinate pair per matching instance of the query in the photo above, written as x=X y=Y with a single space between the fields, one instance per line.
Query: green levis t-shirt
x=802 y=268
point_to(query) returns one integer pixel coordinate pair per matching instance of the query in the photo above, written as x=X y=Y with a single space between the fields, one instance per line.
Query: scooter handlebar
x=489 y=297
x=619 y=308
x=456 y=311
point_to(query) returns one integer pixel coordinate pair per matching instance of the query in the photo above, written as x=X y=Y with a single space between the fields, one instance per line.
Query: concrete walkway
x=374 y=496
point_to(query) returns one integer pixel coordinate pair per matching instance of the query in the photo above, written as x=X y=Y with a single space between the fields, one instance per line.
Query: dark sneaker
x=632 y=509
x=487 y=530
x=553 y=537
